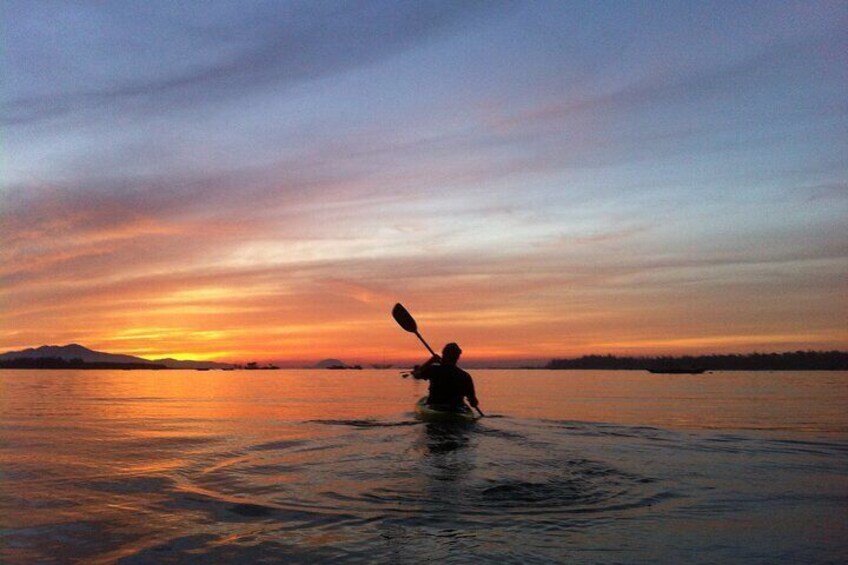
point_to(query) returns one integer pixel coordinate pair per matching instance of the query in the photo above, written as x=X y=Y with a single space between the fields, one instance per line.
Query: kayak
x=430 y=413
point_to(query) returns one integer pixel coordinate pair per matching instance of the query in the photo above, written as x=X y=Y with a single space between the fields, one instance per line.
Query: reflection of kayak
x=430 y=413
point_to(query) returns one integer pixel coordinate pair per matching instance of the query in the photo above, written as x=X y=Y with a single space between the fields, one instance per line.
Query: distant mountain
x=76 y=351
x=72 y=351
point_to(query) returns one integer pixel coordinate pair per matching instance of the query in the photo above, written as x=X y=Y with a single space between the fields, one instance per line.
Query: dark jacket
x=449 y=385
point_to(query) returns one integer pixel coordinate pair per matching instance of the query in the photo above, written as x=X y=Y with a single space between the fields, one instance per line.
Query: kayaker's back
x=449 y=385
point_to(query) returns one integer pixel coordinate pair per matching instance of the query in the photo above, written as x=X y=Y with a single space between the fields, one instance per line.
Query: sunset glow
x=531 y=180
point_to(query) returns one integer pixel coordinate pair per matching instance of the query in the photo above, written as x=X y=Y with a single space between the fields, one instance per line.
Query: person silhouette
x=449 y=385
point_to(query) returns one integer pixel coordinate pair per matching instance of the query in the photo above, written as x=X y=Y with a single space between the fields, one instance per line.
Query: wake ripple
x=408 y=470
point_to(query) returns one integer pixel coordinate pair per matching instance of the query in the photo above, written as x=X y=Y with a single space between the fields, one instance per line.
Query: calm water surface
x=305 y=466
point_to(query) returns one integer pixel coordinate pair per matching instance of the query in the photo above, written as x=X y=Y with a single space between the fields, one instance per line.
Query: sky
x=265 y=180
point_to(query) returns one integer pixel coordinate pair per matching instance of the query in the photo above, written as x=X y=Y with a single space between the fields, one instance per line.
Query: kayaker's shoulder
x=463 y=373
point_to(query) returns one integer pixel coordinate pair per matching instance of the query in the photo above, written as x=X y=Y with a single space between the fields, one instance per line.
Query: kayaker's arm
x=419 y=371
x=470 y=393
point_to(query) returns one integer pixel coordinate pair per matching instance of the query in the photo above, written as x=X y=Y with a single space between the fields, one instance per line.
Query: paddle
x=408 y=323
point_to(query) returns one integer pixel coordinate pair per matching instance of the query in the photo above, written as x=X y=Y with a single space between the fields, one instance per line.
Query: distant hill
x=324 y=363
x=76 y=353
x=788 y=361
x=187 y=364
x=59 y=363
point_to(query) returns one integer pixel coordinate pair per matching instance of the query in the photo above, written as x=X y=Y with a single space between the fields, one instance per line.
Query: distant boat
x=383 y=364
x=677 y=370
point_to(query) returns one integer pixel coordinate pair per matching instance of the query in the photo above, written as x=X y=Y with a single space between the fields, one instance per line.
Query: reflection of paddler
x=449 y=385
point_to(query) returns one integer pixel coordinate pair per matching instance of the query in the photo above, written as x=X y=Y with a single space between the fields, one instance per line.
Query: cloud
x=631 y=207
x=287 y=46
x=665 y=112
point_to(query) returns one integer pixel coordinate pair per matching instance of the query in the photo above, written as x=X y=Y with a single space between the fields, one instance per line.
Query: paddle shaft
x=427 y=345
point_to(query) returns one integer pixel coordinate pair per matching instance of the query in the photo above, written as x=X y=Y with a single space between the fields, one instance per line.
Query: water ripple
x=398 y=490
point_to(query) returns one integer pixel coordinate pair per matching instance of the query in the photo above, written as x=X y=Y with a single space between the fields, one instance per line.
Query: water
x=306 y=466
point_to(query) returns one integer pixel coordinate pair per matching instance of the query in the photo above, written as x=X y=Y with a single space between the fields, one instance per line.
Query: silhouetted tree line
x=59 y=363
x=789 y=361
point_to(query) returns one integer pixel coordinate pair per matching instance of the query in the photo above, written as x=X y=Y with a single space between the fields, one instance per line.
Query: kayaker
x=449 y=385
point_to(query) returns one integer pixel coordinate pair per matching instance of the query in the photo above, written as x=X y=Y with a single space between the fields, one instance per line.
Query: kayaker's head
x=450 y=354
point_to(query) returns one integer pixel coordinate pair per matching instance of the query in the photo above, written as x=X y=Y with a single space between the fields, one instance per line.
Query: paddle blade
x=404 y=318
